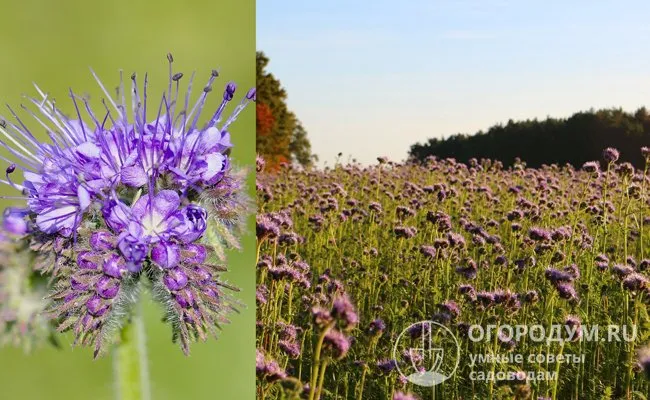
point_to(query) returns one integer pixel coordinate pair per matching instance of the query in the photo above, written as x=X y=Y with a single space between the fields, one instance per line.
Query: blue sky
x=370 y=78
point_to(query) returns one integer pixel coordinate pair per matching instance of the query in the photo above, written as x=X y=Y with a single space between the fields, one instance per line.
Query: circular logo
x=426 y=353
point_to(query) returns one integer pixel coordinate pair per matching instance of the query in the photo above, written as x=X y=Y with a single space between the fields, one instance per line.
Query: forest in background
x=574 y=140
x=281 y=137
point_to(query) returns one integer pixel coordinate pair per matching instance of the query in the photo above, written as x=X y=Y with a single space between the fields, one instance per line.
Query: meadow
x=351 y=256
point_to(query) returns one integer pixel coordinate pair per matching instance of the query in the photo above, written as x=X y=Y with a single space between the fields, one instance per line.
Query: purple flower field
x=349 y=257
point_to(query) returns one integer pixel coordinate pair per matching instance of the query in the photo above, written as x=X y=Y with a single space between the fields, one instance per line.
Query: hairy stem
x=130 y=361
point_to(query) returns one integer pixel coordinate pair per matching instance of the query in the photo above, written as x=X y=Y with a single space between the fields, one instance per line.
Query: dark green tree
x=574 y=140
x=280 y=135
x=300 y=147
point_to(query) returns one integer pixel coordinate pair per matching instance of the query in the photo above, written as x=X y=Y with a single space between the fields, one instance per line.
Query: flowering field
x=350 y=257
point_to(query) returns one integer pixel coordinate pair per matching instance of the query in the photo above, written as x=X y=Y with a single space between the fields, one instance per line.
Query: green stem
x=130 y=361
x=321 y=379
x=316 y=362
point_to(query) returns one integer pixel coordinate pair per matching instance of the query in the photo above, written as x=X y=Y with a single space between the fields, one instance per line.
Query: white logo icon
x=421 y=348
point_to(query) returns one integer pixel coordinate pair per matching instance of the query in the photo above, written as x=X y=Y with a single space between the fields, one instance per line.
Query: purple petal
x=141 y=207
x=14 y=222
x=115 y=215
x=102 y=240
x=96 y=307
x=88 y=150
x=175 y=279
x=194 y=253
x=114 y=266
x=166 y=255
x=57 y=219
x=209 y=139
x=107 y=287
x=214 y=165
x=84 y=260
x=225 y=143
x=134 y=176
x=166 y=202
x=185 y=298
x=84 y=197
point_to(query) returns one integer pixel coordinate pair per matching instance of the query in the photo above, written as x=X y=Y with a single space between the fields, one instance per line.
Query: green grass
x=53 y=44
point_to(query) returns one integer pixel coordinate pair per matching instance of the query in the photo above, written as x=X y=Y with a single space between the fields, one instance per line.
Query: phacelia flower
x=116 y=195
x=610 y=154
x=404 y=396
x=336 y=344
x=377 y=327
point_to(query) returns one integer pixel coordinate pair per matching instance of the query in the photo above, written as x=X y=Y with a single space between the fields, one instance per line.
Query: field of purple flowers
x=350 y=256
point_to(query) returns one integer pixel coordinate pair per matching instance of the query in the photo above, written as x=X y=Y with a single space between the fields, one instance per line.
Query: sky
x=371 y=78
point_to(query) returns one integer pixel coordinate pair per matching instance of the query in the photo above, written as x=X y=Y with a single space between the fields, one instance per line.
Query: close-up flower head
x=127 y=193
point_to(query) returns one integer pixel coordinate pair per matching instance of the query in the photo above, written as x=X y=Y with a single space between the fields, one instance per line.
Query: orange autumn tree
x=280 y=135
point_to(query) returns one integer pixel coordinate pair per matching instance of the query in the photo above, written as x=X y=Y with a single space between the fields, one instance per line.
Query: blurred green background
x=52 y=43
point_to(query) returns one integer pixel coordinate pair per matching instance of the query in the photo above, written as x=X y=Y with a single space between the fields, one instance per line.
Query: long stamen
x=170 y=58
x=201 y=101
x=184 y=114
x=64 y=132
x=10 y=169
x=74 y=101
x=236 y=113
x=101 y=85
x=125 y=122
x=155 y=130
x=20 y=156
x=17 y=144
x=90 y=112
x=25 y=138
x=55 y=116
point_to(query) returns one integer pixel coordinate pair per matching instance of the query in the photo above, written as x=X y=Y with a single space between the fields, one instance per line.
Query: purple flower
x=14 y=221
x=343 y=310
x=645 y=151
x=428 y=251
x=451 y=308
x=456 y=240
x=387 y=365
x=336 y=344
x=269 y=370
x=377 y=327
x=158 y=178
x=404 y=396
x=622 y=270
x=635 y=281
x=539 y=234
x=107 y=287
x=486 y=299
x=573 y=327
x=556 y=276
x=193 y=225
x=610 y=155
x=266 y=227
x=102 y=240
x=290 y=348
x=566 y=291
x=591 y=166
x=151 y=218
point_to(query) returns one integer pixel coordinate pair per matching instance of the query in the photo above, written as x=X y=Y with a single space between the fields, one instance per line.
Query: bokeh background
x=53 y=43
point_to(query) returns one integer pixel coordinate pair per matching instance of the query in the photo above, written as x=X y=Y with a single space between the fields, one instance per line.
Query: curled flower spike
x=115 y=196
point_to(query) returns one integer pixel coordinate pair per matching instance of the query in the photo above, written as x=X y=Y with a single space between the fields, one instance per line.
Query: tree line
x=574 y=140
x=281 y=137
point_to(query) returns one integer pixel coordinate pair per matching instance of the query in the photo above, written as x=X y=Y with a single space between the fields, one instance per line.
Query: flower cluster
x=121 y=196
x=460 y=244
